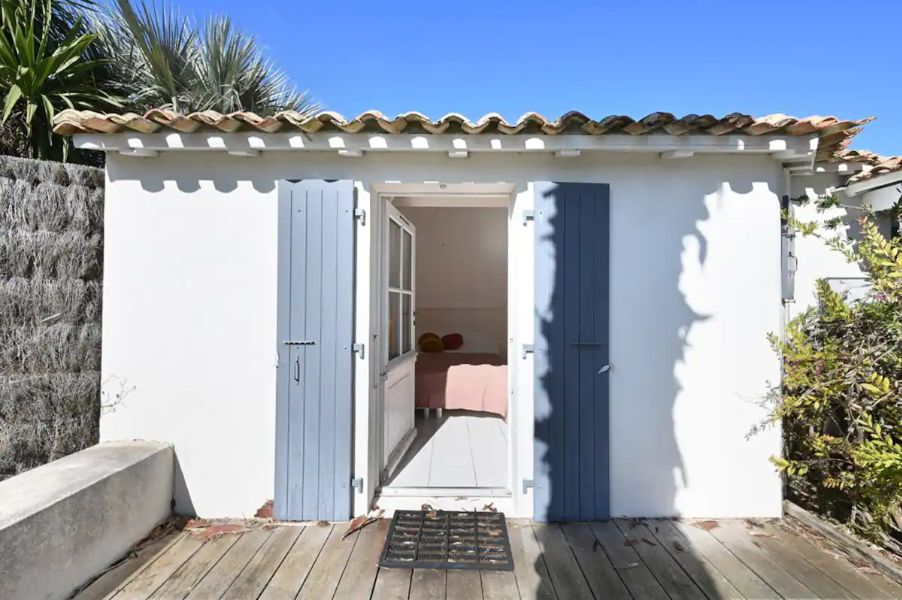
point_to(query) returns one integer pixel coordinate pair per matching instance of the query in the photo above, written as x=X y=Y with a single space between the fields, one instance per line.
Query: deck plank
x=392 y=584
x=864 y=585
x=186 y=577
x=566 y=575
x=221 y=576
x=363 y=565
x=118 y=576
x=329 y=566
x=530 y=569
x=499 y=585
x=740 y=543
x=737 y=573
x=428 y=584
x=147 y=582
x=596 y=566
x=634 y=573
x=290 y=575
x=672 y=577
x=257 y=573
x=711 y=581
x=809 y=575
x=463 y=585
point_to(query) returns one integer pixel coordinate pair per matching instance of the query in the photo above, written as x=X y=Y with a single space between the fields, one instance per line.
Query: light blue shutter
x=571 y=350
x=316 y=316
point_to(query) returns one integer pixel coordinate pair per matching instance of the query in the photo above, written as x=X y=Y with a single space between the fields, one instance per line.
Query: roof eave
x=781 y=148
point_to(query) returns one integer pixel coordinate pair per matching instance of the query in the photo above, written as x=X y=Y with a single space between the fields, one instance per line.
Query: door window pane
x=406 y=322
x=394 y=311
x=394 y=254
x=408 y=255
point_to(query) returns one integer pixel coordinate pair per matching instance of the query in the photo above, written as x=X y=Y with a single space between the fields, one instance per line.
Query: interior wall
x=461 y=271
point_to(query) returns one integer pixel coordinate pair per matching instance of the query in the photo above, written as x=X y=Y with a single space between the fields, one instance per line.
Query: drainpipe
x=787 y=252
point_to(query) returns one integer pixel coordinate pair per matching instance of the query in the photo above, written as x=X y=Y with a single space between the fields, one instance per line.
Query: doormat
x=436 y=539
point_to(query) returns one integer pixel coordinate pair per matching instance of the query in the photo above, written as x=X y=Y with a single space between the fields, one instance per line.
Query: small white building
x=267 y=282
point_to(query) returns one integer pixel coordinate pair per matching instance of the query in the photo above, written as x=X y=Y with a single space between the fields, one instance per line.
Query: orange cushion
x=453 y=341
x=426 y=336
x=432 y=344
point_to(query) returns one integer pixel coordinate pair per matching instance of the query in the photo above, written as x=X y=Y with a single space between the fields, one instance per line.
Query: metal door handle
x=604 y=369
x=297 y=369
x=585 y=343
x=299 y=342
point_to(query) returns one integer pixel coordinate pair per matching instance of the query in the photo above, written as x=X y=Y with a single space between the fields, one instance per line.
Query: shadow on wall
x=181 y=495
x=573 y=427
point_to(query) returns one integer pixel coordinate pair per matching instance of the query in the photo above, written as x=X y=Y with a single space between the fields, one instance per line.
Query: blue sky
x=633 y=57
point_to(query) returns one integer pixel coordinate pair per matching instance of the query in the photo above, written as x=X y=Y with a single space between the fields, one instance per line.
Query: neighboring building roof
x=833 y=134
x=876 y=164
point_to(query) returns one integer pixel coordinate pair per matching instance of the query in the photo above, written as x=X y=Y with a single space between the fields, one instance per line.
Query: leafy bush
x=45 y=66
x=841 y=396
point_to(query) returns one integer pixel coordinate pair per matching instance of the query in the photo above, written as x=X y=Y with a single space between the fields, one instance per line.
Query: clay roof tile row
x=834 y=134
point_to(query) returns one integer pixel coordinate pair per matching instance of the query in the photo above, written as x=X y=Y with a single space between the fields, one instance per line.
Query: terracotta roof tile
x=834 y=134
x=876 y=164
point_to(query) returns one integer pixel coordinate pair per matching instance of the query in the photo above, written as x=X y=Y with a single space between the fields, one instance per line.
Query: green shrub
x=840 y=401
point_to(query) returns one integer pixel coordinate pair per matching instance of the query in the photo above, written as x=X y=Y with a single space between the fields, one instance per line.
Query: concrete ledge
x=64 y=522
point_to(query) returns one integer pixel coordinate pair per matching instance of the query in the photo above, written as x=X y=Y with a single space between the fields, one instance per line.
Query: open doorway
x=445 y=384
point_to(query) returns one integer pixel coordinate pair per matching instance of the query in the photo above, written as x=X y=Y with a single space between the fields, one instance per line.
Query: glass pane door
x=400 y=317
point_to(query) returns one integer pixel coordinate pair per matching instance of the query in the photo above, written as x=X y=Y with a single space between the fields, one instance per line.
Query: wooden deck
x=612 y=559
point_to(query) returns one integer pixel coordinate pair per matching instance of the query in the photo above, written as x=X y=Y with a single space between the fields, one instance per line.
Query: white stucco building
x=262 y=279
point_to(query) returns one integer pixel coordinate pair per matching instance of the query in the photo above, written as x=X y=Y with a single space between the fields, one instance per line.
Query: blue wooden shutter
x=316 y=316
x=571 y=350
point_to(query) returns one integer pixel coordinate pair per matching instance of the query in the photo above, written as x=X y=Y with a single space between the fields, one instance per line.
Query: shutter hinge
x=359 y=349
x=528 y=349
x=528 y=215
x=528 y=484
x=360 y=213
x=357 y=484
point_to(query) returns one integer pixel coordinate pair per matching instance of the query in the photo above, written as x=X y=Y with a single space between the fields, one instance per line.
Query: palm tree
x=44 y=67
x=162 y=60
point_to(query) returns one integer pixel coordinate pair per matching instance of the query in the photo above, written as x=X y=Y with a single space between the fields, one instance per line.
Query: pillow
x=426 y=336
x=432 y=344
x=452 y=341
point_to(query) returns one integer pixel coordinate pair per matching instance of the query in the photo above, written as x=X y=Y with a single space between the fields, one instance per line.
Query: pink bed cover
x=462 y=381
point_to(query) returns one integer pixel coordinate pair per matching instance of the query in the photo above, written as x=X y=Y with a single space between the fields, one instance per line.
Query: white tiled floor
x=462 y=449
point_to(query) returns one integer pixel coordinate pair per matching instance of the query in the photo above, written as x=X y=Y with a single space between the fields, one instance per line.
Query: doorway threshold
x=445 y=492
x=451 y=499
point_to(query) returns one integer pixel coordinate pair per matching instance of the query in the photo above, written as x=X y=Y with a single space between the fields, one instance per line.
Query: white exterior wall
x=815 y=259
x=190 y=316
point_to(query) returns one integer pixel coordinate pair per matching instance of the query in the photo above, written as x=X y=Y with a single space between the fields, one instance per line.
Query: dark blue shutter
x=571 y=351
x=315 y=376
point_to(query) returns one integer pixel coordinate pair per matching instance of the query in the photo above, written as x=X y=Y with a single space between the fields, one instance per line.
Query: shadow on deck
x=613 y=559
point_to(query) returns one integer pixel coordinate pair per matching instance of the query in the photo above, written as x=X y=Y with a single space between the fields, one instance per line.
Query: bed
x=462 y=380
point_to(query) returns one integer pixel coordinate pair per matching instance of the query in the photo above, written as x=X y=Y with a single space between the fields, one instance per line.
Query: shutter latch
x=360 y=213
x=357 y=484
x=359 y=350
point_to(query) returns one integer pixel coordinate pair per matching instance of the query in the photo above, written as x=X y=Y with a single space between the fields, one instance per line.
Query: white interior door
x=399 y=348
